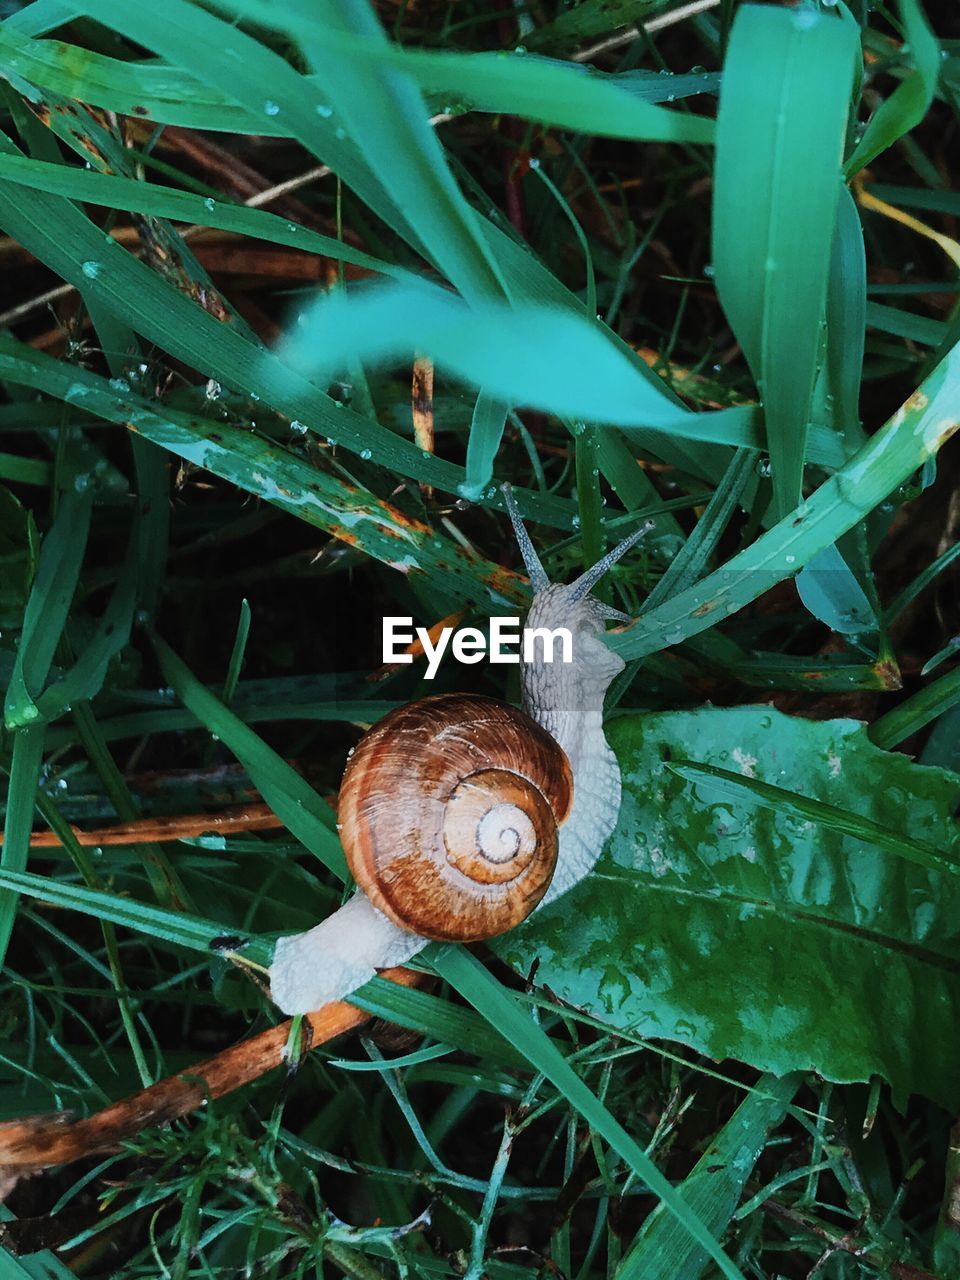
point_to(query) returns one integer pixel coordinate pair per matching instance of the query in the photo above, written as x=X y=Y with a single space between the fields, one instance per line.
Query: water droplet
x=709 y=271
x=92 y=269
x=81 y=482
x=62 y=784
x=324 y=110
x=119 y=384
x=534 y=162
x=213 y=389
x=520 y=50
x=339 y=133
x=575 y=522
x=210 y=203
x=366 y=454
x=299 y=428
x=271 y=108
x=765 y=468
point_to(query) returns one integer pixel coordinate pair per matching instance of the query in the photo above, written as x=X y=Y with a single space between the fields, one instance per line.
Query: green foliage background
x=646 y=271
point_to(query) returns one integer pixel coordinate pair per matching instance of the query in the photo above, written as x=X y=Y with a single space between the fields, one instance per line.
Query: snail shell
x=448 y=814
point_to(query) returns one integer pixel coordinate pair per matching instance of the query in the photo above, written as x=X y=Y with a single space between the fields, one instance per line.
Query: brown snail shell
x=448 y=814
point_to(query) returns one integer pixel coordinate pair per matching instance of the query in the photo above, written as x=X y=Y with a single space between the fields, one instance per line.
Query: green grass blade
x=61 y=554
x=783 y=109
x=465 y=973
x=27 y=760
x=294 y=801
x=554 y=92
x=113 y=191
x=917 y=711
x=712 y=1188
x=910 y=101
x=171 y=926
x=915 y=432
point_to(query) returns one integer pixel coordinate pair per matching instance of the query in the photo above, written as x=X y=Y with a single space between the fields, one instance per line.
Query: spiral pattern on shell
x=448 y=814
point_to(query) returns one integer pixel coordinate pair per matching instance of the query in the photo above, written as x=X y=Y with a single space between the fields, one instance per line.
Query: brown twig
x=252 y=817
x=37 y=1142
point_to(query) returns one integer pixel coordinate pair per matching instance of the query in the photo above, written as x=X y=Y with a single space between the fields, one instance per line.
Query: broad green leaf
x=762 y=935
x=910 y=101
x=783 y=108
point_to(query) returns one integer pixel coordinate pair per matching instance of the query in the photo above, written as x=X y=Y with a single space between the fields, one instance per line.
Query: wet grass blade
x=554 y=92
x=171 y=926
x=915 y=432
x=465 y=973
x=777 y=179
x=292 y=799
x=25 y=765
x=910 y=101
x=713 y=1187
x=61 y=554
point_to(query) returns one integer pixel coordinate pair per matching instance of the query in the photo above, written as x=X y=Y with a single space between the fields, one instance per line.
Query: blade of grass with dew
x=479 y=988
x=158 y=311
x=170 y=926
x=381 y=108
x=713 y=1187
x=915 y=433
x=282 y=478
x=486 y=432
x=191 y=37
x=792 y=804
x=776 y=184
x=293 y=800
x=911 y=100
x=539 y=356
x=113 y=191
x=552 y=92
x=61 y=554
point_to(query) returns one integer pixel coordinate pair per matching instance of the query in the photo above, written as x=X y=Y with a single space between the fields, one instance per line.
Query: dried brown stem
x=37 y=1142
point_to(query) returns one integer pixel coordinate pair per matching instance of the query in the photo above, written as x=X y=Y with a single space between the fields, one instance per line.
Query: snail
x=459 y=815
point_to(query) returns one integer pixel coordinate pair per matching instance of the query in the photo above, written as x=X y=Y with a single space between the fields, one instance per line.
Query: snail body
x=460 y=815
